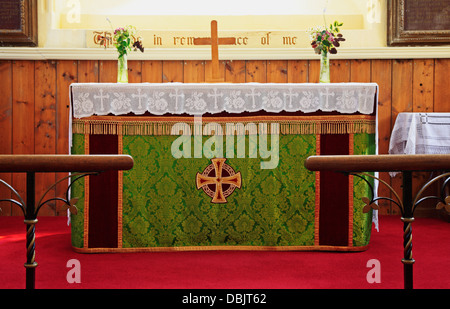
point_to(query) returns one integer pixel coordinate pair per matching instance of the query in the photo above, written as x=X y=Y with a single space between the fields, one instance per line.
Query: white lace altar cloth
x=90 y=99
x=421 y=133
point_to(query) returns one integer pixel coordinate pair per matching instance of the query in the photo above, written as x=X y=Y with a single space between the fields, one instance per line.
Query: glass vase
x=324 y=68
x=122 y=69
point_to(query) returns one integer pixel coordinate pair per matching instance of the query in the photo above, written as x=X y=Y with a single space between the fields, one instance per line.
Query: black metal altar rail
x=79 y=166
x=358 y=165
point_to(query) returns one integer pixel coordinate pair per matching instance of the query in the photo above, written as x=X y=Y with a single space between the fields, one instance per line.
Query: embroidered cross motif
x=101 y=97
x=253 y=94
x=215 y=95
x=290 y=95
x=327 y=94
x=367 y=95
x=176 y=95
x=139 y=96
x=218 y=180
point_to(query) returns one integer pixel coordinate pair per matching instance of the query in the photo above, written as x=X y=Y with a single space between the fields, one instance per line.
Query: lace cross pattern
x=90 y=99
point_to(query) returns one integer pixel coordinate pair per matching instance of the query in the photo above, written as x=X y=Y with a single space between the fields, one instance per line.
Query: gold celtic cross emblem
x=218 y=180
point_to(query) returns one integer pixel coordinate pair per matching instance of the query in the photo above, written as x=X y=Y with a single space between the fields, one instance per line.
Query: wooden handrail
x=31 y=164
x=406 y=164
x=378 y=163
x=64 y=163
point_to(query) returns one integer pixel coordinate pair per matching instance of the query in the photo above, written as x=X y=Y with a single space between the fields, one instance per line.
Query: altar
x=220 y=166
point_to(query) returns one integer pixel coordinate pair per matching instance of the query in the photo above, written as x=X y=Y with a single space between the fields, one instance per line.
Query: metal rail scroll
x=359 y=165
x=79 y=166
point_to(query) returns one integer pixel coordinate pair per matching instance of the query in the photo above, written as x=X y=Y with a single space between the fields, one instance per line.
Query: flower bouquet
x=125 y=40
x=324 y=41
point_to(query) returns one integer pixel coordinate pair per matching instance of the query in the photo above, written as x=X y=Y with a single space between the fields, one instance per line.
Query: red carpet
x=227 y=270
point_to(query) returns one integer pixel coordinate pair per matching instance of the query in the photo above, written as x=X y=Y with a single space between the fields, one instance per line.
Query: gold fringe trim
x=120 y=197
x=350 y=193
x=86 y=200
x=256 y=125
x=317 y=198
x=221 y=248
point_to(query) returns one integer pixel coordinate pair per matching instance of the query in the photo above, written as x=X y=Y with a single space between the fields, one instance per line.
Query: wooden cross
x=215 y=41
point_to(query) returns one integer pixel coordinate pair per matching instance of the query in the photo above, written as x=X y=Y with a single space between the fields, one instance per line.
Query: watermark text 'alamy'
x=213 y=147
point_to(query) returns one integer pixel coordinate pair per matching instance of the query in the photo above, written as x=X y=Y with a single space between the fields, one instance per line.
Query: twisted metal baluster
x=31 y=264
x=30 y=212
x=30 y=221
x=407 y=208
x=407 y=219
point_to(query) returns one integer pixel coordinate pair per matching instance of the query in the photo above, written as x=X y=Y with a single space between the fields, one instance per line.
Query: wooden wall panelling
x=235 y=71
x=134 y=71
x=360 y=70
x=152 y=71
x=423 y=82
x=313 y=71
x=402 y=87
x=442 y=86
x=194 y=71
x=340 y=71
x=381 y=73
x=23 y=85
x=297 y=71
x=88 y=71
x=256 y=71
x=45 y=128
x=6 y=122
x=107 y=71
x=172 y=71
x=66 y=74
x=277 y=71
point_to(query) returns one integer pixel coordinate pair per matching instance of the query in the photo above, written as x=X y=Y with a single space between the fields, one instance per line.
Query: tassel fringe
x=321 y=125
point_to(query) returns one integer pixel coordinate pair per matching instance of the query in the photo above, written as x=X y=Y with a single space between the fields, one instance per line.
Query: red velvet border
x=103 y=192
x=333 y=219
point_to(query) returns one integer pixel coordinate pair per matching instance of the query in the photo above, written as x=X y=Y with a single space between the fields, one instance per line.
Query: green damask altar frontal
x=256 y=195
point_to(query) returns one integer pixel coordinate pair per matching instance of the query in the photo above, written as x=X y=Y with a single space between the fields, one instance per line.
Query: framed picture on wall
x=18 y=23
x=418 y=22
